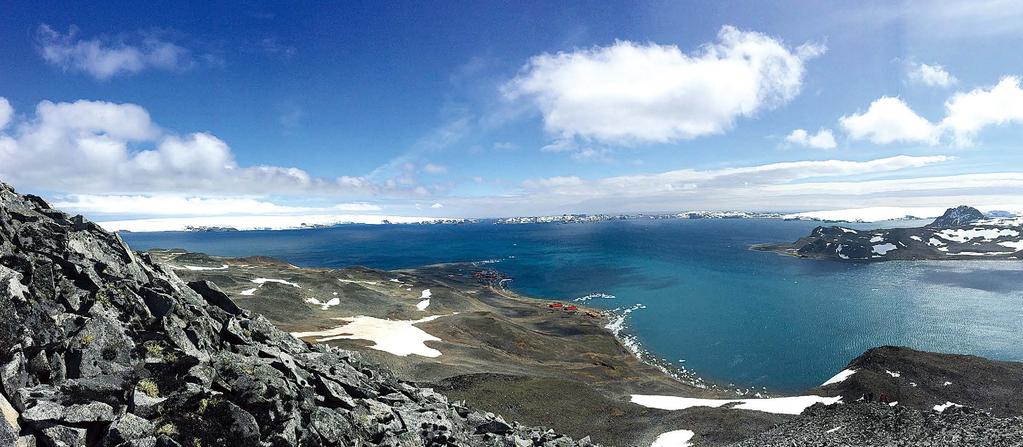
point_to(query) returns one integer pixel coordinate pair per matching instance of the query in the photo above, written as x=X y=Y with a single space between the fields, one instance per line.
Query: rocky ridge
x=961 y=233
x=102 y=346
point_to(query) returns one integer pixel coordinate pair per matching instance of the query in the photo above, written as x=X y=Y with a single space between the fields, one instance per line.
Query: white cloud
x=823 y=139
x=176 y=205
x=103 y=147
x=788 y=186
x=968 y=113
x=634 y=92
x=931 y=75
x=104 y=58
x=434 y=169
x=437 y=206
x=889 y=120
x=6 y=113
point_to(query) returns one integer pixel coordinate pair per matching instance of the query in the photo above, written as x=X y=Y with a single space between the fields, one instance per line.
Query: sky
x=492 y=109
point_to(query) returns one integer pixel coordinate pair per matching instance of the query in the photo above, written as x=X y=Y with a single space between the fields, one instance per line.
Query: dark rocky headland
x=104 y=346
x=961 y=233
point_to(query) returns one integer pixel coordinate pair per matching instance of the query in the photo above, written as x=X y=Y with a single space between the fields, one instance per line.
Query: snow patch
x=198 y=268
x=398 y=337
x=916 y=238
x=324 y=305
x=426 y=294
x=677 y=438
x=422 y=305
x=840 y=377
x=776 y=405
x=876 y=239
x=249 y=292
x=883 y=249
x=1015 y=245
x=941 y=408
x=964 y=235
x=893 y=373
x=262 y=281
x=834 y=429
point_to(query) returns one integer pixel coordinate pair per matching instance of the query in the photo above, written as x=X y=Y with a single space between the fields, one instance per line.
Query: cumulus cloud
x=645 y=92
x=968 y=113
x=823 y=139
x=105 y=147
x=931 y=75
x=106 y=58
x=889 y=120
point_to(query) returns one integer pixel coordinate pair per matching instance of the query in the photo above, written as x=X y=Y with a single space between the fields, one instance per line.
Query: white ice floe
x=882 y=249
x=941 y=408
x=251 y=291
x=893 y=373
x=777 y=405
x=677 y=438
x=356 y=281
x=964 y=235
x=876 y=239
x=398 y=337
x=840 y=377
x=262 y=281
x=422 y=305
x=946 y=383
x=426 y=294
x=892 y=404
x=199 y=268
x=324 y=305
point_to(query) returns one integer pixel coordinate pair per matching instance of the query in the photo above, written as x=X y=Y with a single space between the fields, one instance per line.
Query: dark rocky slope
x=101 y=346
x=961 y=233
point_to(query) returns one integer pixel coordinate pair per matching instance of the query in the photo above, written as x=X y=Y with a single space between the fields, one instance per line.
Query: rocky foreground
x=102 y=346
x=961 y=233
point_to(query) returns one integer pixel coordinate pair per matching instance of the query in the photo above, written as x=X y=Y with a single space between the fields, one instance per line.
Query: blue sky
x=484 y=109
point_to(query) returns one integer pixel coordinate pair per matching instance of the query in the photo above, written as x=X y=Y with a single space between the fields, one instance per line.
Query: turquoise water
x=730 y=314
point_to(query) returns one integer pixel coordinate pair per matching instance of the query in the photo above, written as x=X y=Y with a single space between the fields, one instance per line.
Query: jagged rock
x=213 y=295
x=63 y=436
x=128 y=427
x=101 y=343
x=957 y=217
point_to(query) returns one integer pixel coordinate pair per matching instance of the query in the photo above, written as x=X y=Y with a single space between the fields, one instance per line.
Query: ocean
x=703 y=301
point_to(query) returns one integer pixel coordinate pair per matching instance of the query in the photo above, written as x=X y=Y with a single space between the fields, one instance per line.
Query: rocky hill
x=102 y=346
x=961 y=233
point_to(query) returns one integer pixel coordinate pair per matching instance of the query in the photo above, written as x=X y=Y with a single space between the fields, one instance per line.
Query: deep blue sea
x=732 y=315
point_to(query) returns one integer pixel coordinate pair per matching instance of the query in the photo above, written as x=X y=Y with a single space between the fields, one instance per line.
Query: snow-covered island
x=962 y=232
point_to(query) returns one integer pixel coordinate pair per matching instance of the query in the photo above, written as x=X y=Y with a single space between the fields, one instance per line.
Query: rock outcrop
x=961 y=233
x=101 y=346
x=957 y=217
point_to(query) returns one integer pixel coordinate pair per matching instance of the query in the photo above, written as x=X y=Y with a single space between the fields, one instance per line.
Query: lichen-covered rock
x=101 y=344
